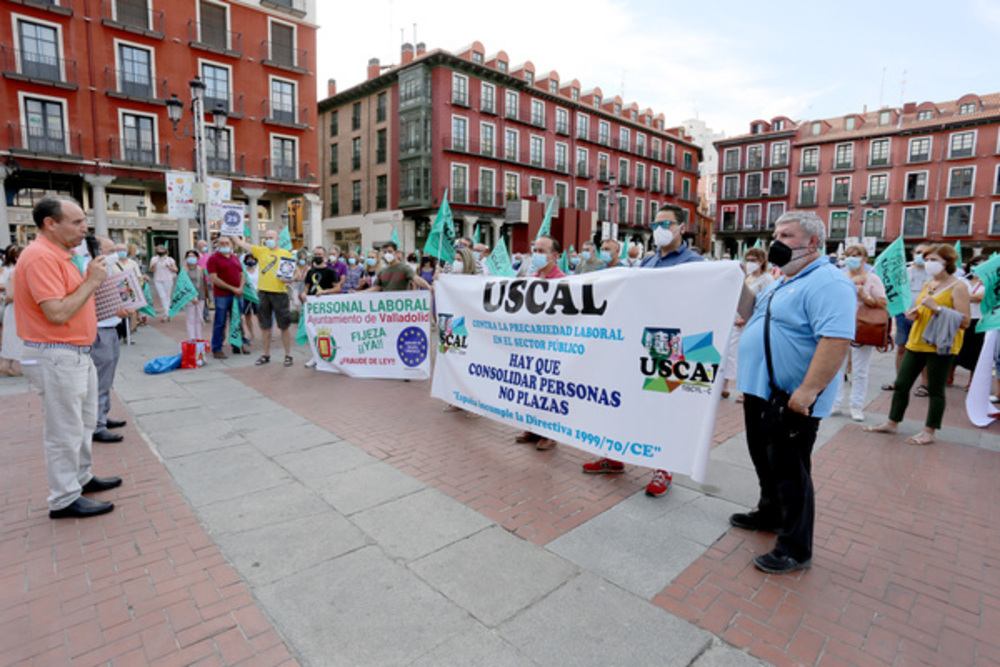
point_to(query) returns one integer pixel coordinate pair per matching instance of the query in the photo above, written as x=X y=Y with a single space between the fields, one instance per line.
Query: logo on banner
x=412 y=346
x=676 y=361
x=326 y=346
x=453 y=334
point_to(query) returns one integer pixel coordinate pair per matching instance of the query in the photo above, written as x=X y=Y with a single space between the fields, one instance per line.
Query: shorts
x=249 y=307
x=903 y=327
x=275 y=303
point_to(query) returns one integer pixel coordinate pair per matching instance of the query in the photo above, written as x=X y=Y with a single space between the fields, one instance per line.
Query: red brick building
x=498 y=137
x=928 y=172
x=85 y=85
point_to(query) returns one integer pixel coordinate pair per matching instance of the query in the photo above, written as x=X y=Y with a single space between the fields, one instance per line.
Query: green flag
x=475 y=236
x=285 y=240
x=564 y=263
x=989 y=273
x=235 y=330
x=891 y=268
x=246 y=232
x=757 y=244
x=546 y=228
x=301 y=335
x=624 y=254
x=958 y=249
x=499 y=261
x=249 y=293
x=184 y=292
x=395 y=237
x=571 y=250
x=441 y=240
x=149 y=309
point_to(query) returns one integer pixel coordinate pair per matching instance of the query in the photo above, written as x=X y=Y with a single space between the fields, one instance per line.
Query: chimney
x=407 y=54
x=331 y=87
x=421 y=48
x=910 y=107
x=373 y=68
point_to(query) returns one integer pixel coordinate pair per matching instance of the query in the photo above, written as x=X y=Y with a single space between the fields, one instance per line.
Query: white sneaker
x=857 y=415
x=311 y=363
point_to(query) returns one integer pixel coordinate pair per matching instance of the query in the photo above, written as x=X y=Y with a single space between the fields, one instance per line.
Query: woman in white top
x=972 y=344
x=163 y=269
x=758 y=277
x=11 y=347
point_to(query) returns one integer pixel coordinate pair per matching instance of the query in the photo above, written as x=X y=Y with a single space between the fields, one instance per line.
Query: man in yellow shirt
x=276 y=267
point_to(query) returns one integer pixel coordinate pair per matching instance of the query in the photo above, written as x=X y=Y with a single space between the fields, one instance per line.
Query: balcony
x=538 y=121
x=842 y=165
x=880 y=163
x=640 y=183
x=917 y=194
x=133 y=18
x=293 y=7
x=603 y=176
x=488 y=198
x=728 y=195
x=581 y=171
x=139 y=153
x=460 y=98
x=805 y=168
x=807 y=200
x=232 y=104
x=355 y=162
x=24 y=139
x=779 y=163
x=214 y=38
x=512 y=113
x=65 y=8
x=730 y=166
x=286 y=170
x=840 y=199
x=226 y=165
x=38 y=68
x=488 y=106
x=132 y=85
x=562 y=128
x=285 y=116
x=283 y=56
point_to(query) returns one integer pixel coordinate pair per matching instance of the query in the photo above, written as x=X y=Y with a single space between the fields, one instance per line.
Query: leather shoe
x=754 y=520
x=107 y=436
x=116 y=423
x=101 y=484
x=774 y=563
x=81 y=508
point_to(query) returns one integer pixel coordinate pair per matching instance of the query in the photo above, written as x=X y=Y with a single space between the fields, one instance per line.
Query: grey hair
x=809 y=222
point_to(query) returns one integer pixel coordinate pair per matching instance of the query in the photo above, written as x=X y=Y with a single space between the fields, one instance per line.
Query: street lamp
x=612 y=192
x=175 y=109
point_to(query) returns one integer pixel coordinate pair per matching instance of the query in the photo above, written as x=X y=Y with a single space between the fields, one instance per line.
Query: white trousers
x=192 y=315
x=861 y=361
x=164 y=290
x=66 y=381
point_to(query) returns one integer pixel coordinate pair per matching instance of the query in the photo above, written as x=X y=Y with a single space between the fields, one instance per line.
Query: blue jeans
x=220 y=333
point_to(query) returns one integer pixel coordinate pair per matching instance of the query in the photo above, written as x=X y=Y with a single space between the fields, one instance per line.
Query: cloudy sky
x=726 y=61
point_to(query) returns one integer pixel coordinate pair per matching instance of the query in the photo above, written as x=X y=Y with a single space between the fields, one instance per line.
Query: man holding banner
x=276 y=266
x=795 y=340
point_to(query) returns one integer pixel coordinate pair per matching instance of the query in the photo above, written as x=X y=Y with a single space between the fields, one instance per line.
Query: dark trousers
x=781 y=455
x=938 y=368
x=220 y=333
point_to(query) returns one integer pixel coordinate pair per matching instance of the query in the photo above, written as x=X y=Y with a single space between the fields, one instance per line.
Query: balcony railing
x=135 y=152
x=224 y=164
x=809 y=168
x=807 y=200
x=581 y=170
x=842 y=165
x=840 y=198
x=286 y=170
x=232 y=104
x=134 y=85
x=130 y=16
x=562 y=128
x=37 y=67
x=282 y=55
x=296 y=7
x=919 y=194
x=21 y=138
x=288 y=116
x=488 y=198
x=215 y=38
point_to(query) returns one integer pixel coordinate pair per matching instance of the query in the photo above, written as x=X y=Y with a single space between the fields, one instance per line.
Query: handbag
x=871 y=327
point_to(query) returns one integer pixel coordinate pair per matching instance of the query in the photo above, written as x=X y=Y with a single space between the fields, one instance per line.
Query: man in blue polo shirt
x=672 y=249
x=812 y=312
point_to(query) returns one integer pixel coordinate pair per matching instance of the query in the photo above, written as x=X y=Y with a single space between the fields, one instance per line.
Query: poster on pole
x=231 y=223
x=371 y=334
x=217 y=191
x=619 y=363
x=180 y=195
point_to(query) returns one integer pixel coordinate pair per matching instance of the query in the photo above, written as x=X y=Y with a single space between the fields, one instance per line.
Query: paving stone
x=278 y=504
x=221 y=474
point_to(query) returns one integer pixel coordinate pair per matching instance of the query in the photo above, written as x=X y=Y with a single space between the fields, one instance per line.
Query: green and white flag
x=184 y=292
x=564 y=263
x=624 y=254
x=285 y=240
x=958 y=249
x=149 y=309
x=499 y=261
x=475 y=236
x=249 y=293
x=891 y=268
x=441 y=240
x=235 y=330
x=301 y=334
x=989 y=273
x=546 y=228
x=395 y=237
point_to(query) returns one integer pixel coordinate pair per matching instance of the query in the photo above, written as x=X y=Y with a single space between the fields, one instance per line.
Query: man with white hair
x=272 y=291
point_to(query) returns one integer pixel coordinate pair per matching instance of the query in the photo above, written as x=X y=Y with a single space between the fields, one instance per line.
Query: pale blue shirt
x=819 y=302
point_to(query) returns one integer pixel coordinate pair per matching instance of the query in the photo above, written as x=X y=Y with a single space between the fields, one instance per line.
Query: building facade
x=926 y=172
x=85 y=96
x=498 y=138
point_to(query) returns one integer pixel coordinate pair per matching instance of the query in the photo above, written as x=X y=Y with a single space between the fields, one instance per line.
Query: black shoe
x=116 y=423
x=754 y=520
x=101 y=484
x=81 y=508
x=107 y=436
x=779 y=564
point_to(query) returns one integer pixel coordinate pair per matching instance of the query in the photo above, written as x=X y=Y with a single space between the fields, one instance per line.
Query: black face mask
x=317 y=261
x=780 y=254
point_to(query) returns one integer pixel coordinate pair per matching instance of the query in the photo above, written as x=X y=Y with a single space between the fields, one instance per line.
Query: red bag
x=193 y=353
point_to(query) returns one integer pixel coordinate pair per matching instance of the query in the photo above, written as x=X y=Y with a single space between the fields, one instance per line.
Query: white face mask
x=662 y=236
x=933 y=268
x=753 y=267
x=389 y=257
x=458 y=266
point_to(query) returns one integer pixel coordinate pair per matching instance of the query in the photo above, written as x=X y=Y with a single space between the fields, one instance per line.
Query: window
x=838 y=225
x=334 y=159
x=477 y=57
x=843 y=156
x=618 y=109
x=879 y=152
x=817 y=128
x=995 y=220
x=807 y=193
x=538 y=113
x=356 y=197
x=960 y=182
x=132 y=12
x=562 y=195
x=604 y=133
x=779 y=184
x=686 y=189
x=511 y=110
x=654 y=179
x=875 y=223
x=574 y=93
x=582 y=126
x=688 y=162
x=915 y=222
x=217 y=149
x=553 y=86
x=967 y=108
x=381 y=146
x=878 y=187
x=640 y=208
x=502 y=66
x=356 y=116
x=958 y=220
x=884 y=117
x=139 y=139
x=356 y=153
x=597 y=101
x=216 y=87
x=842 y=190
x=511 y=145
x=774 y=211
x=334 y=200
x=283 y=154
x=213 y=27
x=779 y=154
x=850 y=123
x=996 y=186
x=755 y=157
x=656 y=148
x=730 y=187
x=536 y=186
x=640 y=176
x=731 y=159
x=487 y=194
x=582 y=157
x=581 y=198
x=135 y=74
x=602 y=206
x=334 y=123
x=283 y=44
x=459 y=133
x=640 y=144
x=916 y=186
x=510 y=186
x=537 y=150
x=603 y=169
x=623 y=172
x=488 y=98
x=926 y=114
x=487 y=139
x=729 y=215
x=562 y=157
x=623 y=209
x=624 y=140
x=529 y=77
x=562 y=121
x=459 y=183
x=920 y=149
x=810 y=160
x=751 y=216
x=39 y=50
x=283 y=101
x=45 y=126
x=459 y=90
x=381 y=192
x=654 y=208
x=380 y=107
x=668 y=153
x=962 y=144
x=753 y=184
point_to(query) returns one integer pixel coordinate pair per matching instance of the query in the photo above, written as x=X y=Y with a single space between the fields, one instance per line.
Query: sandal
x=288 y=360
x=920 y=439
x=264 y=359
x=922 y=392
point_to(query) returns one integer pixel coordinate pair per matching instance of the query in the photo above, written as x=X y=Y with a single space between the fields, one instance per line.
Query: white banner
x=180 y=195
x=373 y=335
x=621 y=363
x=217 y=191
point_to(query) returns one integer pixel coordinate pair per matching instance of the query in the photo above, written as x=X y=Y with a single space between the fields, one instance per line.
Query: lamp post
x=612 y=192
x=196 y=129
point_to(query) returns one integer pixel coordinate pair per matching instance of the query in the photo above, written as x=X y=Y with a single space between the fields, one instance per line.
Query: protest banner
x=371 y=335
x=217 y=191
x=232 y=220
x=498 y=263
x=184 y=292
x=122 y=290
x=285 y=240
x=989 y=273
x=978 y=407
x=180 y=195
x=619 y=363
x=891 y=268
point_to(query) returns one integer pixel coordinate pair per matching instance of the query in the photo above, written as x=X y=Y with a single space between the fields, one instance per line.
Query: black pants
x=781 y=455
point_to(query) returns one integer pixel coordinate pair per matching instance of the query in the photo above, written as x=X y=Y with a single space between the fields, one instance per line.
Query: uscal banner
x=624 y=363
x=372 y=335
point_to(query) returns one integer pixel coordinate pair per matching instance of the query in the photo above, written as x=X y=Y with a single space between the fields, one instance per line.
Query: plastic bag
x=162 y=364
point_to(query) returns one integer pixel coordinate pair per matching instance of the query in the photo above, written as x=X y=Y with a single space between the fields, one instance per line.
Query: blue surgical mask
x=226 y=250
x=539 y=260
x=853 y=263
x=574 y=261
x=122 y=254
x=302 y=262
x=270 y=243
x=918 y=259
x=605 y=256
x=370 y=261
x=352 y=261
x=192 y=261
x=585 y=255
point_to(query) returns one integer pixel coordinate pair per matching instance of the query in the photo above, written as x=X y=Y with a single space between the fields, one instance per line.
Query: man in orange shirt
x=57 y=320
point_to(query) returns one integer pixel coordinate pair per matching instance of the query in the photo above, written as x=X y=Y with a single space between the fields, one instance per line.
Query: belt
x=83 y=349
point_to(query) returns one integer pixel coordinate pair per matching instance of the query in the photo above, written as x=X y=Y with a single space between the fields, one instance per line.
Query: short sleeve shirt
x=267 y=261
x=322 y=278
x=229 y=269
x=682 y=255
x=819 y=302
x=395 y=278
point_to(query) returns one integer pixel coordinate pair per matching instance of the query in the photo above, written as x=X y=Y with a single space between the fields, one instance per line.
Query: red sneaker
x=603 y=465
x=660 y=484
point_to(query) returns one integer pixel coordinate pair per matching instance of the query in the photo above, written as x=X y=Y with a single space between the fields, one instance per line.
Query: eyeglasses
x=661 y=223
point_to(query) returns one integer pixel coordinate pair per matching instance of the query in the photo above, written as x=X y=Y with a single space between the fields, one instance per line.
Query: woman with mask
x=12 y=347
x=193 y=311
x=354 y=273
x=163 y=269
x=758 y=277
x=946 y=297
x=871 y=293
x=250 y=309
x=373 y=264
